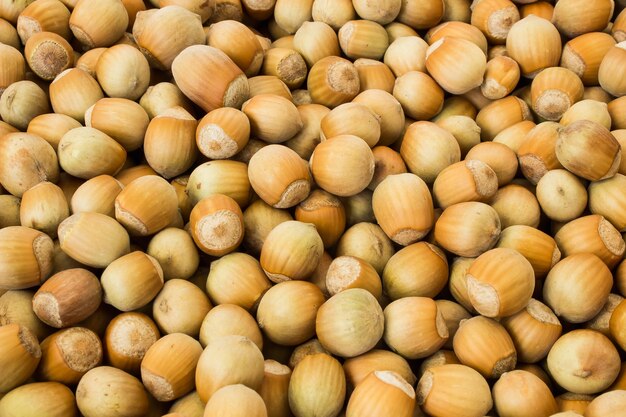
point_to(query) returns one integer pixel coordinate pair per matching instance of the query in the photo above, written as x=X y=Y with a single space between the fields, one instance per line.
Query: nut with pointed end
x=169 y=142
x=9 y=35
x=561 y=195
x=316 y=40
x=515 y=205
x=463 y=128
x=498 y=115
x=513 y=136
x=89 y=61
x=363 y=39
x=498 y=157
x=351 y=119
x=420 y=96
x=583 y=361
x=389 y=109
x=400 y=62
x=51 y=127
x=176 y=253
x=343 y=165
